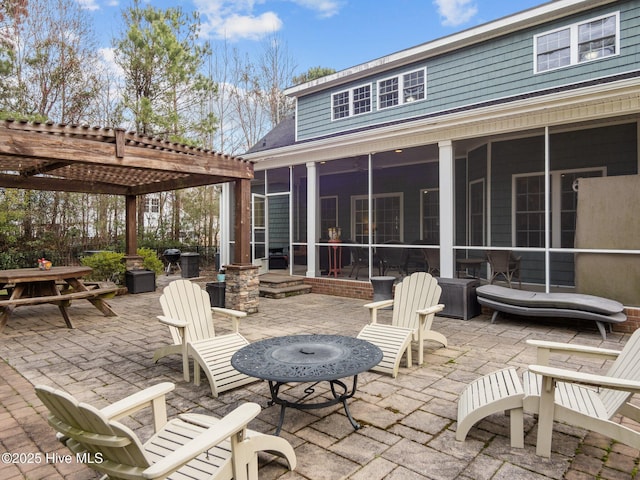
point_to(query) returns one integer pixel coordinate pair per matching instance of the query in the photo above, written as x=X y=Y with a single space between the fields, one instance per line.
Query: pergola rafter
x=86 y=159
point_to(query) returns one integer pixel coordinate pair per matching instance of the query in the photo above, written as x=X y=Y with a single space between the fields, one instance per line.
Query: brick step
x=282 y=292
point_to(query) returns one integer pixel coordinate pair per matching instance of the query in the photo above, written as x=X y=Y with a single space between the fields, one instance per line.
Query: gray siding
x=491 y=71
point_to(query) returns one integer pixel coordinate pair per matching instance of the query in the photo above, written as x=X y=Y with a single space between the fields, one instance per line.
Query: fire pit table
x=308 y=358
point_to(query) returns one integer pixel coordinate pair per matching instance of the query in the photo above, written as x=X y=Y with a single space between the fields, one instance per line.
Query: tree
x=164 y=87
x=312 y=74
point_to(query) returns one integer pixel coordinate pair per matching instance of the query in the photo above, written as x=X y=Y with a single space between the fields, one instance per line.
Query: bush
x=150 y=260
x=107 y=266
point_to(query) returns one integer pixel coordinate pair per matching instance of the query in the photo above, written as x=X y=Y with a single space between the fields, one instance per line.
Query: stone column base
x=133 y=262
x=242 y=290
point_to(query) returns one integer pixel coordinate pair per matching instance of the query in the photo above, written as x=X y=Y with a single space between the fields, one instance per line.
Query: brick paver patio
x=409 y=422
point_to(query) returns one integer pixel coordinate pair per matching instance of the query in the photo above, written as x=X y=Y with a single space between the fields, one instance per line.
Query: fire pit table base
x=338 y=397
x=308 y=359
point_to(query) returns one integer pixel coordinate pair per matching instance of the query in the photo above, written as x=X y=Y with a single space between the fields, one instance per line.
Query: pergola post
x=242 y=283
x=132 y=260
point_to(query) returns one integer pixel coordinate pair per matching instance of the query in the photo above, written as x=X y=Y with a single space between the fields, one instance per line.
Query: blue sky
x=330 y=33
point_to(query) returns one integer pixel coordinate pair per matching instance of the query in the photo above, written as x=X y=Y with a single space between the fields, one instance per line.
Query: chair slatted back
x=499 y=260
x=85 y=430
x=184 y=300
x=626 y=366
x=416 y=292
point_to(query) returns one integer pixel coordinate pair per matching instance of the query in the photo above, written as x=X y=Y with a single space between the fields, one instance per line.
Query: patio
x=409 y=422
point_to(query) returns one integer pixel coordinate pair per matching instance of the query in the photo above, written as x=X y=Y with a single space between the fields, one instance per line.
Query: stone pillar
x=242 y=290
x=133 y=262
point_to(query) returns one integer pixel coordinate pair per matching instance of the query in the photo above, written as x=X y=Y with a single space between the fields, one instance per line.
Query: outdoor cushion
x=568 y=301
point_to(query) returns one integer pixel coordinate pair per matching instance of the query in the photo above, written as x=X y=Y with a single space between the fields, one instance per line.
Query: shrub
x=150 y=260
x=107 y=266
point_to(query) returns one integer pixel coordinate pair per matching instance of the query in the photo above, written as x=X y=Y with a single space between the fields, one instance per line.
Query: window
x=411 y=84
x=328 y=215
x=351 y=102
x=476 y=212
x=387 y=218
x=151 y=204
x=578 y=43
x=431 y=216
x=530 y=208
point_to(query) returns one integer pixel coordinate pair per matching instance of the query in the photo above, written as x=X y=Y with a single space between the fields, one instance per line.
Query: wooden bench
x=95 y=295
x=108 y=292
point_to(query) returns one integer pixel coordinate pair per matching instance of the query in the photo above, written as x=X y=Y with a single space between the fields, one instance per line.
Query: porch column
x=447 y=254
x=312 y=218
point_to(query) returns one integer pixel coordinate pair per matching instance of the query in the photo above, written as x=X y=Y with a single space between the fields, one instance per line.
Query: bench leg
x=65 y=315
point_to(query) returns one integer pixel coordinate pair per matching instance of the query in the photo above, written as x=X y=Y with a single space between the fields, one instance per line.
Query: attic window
x=578 y=43
x=406 y=88
x=351 y=102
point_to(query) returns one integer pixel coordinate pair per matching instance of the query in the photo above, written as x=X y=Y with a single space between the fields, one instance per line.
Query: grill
x=172 y=256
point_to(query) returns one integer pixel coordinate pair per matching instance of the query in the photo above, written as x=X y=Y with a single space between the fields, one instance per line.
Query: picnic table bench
x=57 y=286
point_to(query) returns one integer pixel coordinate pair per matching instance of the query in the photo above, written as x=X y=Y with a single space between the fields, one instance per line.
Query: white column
x=225 y=224
x=312 y=218
x=447 y=255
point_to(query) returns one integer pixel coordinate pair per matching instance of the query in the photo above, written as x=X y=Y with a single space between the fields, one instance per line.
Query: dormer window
x=351 y=102
x=582 y=42
x=406 y=88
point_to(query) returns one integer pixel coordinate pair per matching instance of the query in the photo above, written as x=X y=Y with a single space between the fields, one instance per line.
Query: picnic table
x=58 y=286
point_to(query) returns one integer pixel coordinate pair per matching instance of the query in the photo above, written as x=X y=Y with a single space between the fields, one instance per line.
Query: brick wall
x=341 y=288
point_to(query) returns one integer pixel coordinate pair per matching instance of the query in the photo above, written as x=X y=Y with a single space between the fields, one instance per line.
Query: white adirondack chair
x=191 y=446
x=415 y=303
x=584 y=400
x=188 y=314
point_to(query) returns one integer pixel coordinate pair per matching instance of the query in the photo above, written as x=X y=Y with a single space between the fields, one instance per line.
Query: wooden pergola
x=81 y=158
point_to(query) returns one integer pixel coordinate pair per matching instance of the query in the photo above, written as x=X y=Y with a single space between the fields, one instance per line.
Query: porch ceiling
x=80 y=158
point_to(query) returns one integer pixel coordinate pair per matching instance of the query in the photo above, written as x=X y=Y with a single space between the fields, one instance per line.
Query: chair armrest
x=234 y=315
x=433 y=309
x=375 y=306
x=172 y=322
x=545 y=349
x=153 y=397
x=595 y=380
x=229 y=425
x=379 y=304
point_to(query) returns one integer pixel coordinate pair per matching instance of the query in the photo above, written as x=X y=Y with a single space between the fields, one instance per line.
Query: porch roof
x=82 y=158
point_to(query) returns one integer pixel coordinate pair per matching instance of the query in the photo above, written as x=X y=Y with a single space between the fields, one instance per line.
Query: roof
x=282 y=135
x=81 y=158
x=525 y=19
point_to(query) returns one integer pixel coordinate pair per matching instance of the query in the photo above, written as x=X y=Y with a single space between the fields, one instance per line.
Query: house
x=479 y=140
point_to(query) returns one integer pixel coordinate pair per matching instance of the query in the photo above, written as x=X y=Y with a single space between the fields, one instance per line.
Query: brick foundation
x=341 y=288
x=242 y=290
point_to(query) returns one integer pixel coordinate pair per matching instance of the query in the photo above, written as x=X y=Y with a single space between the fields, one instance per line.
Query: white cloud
x=238 y=20
x=89 y=4
x=325 y=8
x=456 y=12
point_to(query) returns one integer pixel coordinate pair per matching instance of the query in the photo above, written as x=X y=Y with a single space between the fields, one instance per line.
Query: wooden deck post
x=242 y=252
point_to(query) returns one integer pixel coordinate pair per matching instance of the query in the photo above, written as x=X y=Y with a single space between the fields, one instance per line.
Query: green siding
x=494 y=70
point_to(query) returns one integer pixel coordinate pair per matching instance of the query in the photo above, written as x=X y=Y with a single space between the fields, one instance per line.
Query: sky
x=336 y=34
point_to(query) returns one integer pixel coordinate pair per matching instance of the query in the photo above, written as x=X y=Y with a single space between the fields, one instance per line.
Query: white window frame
x=482 y=183
x=423 y=192
x=556 y=201
x=400 y=220
x=351 y=102
x=401 y=87
x=574 y=43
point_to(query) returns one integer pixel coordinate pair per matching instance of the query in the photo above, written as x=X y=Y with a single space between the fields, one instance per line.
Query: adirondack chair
x=581 y=399
x=415 y=303
x=190 y=446
x=188 y=314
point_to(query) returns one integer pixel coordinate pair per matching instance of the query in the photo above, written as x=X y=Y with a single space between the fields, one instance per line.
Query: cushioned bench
x=603 y=311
